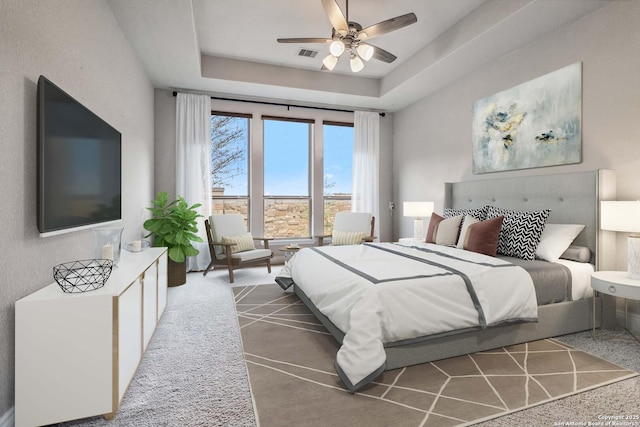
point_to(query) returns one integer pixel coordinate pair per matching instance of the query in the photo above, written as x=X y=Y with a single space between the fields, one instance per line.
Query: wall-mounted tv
x=79 y=164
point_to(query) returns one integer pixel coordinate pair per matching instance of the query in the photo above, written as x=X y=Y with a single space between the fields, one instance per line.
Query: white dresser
x=76 y=353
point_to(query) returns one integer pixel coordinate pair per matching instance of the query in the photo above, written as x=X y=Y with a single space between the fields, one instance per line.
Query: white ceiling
x=229 y=48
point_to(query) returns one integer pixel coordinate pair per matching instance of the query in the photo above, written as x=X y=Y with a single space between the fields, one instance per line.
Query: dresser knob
x=612 y=289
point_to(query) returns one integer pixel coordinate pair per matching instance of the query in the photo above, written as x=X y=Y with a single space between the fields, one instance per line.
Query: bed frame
x=573 y=199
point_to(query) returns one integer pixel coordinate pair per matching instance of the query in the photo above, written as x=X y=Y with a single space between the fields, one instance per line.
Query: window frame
x=327 y=228
x=255 y=110
x=310 y=176
x=246 y=197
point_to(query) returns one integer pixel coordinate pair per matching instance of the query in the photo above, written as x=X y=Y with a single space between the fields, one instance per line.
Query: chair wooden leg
x=230 y=266
x=206 y=270
x=269 y=265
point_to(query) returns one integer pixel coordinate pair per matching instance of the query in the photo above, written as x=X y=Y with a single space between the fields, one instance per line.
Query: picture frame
x=534 y=124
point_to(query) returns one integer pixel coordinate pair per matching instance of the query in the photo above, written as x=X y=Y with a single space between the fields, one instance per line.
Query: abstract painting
x=534 y=124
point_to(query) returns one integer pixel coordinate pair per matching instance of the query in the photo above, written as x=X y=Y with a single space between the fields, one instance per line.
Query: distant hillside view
x=283 y=218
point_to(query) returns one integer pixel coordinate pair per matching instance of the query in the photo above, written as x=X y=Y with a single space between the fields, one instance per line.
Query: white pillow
x=555 y=239
x=339 y=238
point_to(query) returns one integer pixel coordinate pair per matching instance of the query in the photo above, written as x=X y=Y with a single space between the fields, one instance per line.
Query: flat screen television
x=79 y=164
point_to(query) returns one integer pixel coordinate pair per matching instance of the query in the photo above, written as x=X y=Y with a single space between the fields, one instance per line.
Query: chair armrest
x=265 y=241
x=227 y=250
x=321 y=238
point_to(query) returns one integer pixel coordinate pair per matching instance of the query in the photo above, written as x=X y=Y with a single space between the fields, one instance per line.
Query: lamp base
x=418 y=232
x=633 y=257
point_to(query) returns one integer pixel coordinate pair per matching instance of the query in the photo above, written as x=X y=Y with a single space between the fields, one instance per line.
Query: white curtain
x=193 y=164
x=366 y=135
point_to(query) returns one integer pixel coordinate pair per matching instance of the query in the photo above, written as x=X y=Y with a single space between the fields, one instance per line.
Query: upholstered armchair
x=232 y=246
x=350 y=228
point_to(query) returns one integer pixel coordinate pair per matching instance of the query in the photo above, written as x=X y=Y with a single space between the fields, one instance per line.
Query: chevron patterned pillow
x=478 y=213
x=521 y=231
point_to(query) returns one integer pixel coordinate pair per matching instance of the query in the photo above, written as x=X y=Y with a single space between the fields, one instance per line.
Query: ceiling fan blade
x=335 y=15
x=381 y=54
x=303 y=40
x=387 y=26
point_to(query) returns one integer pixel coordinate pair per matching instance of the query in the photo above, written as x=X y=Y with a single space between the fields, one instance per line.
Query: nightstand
x=616 y=283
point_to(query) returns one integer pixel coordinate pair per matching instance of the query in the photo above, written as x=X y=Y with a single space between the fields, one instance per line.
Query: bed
x=572 y=198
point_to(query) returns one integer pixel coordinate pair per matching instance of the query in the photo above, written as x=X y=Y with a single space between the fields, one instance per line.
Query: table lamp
x=418 y=210
x=624 y=217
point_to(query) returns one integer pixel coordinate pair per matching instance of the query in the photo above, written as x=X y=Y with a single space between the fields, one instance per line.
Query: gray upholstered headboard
x=574 y=198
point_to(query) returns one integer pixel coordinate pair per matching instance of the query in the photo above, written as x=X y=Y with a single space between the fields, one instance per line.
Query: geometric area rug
x=290 y=355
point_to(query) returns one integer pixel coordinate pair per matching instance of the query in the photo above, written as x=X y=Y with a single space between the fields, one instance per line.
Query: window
x=337 y=180
x=287 y=176
x=229 y=164
x=287 y=201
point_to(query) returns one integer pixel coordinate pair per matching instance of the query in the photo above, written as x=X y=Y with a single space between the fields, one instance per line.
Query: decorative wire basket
x=82 y=276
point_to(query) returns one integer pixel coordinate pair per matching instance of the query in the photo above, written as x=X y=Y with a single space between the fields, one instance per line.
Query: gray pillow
x=577 y=253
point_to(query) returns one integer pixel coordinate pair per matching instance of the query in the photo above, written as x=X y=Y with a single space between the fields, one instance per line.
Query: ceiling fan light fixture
x=330 y=62
x=365 y=51
x=349 y=35
x=356 y=63
x=336 y=48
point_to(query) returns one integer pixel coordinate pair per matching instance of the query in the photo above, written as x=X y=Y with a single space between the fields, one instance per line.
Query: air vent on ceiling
x=307 y=52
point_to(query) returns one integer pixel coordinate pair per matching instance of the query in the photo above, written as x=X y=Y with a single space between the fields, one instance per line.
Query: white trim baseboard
x=9 y=418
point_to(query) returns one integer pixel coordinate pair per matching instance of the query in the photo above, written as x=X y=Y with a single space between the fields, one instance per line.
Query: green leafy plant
x=174 y=225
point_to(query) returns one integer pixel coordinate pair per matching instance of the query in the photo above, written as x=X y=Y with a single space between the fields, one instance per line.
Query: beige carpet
x=290 y=358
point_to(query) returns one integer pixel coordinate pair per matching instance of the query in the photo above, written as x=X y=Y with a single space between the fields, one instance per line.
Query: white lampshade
x=356 y=63
x=336 y=48
x=417 y=209
x=330 y=61
x=620 y=216
x=365 y=51
x=624 y=217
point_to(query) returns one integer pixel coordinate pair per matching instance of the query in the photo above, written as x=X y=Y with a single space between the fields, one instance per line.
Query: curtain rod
x=382 y=114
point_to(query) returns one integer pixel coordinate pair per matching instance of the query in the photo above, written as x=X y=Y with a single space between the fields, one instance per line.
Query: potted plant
x=173 y=225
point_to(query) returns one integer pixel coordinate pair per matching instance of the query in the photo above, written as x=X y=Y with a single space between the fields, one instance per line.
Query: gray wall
x=165 y=130
x=432 y=139
x=79 y=46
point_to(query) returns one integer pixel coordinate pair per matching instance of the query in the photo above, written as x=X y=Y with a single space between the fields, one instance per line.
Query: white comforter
x=388 y=292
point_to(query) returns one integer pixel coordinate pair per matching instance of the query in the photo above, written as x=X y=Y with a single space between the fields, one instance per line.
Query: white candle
x=107 y=251
x=136 y=246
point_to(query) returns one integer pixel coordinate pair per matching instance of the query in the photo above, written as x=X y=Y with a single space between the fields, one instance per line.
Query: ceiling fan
x=350 y=36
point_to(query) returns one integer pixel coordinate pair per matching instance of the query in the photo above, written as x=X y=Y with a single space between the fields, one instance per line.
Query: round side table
x=288 y=252
x=616 y=283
